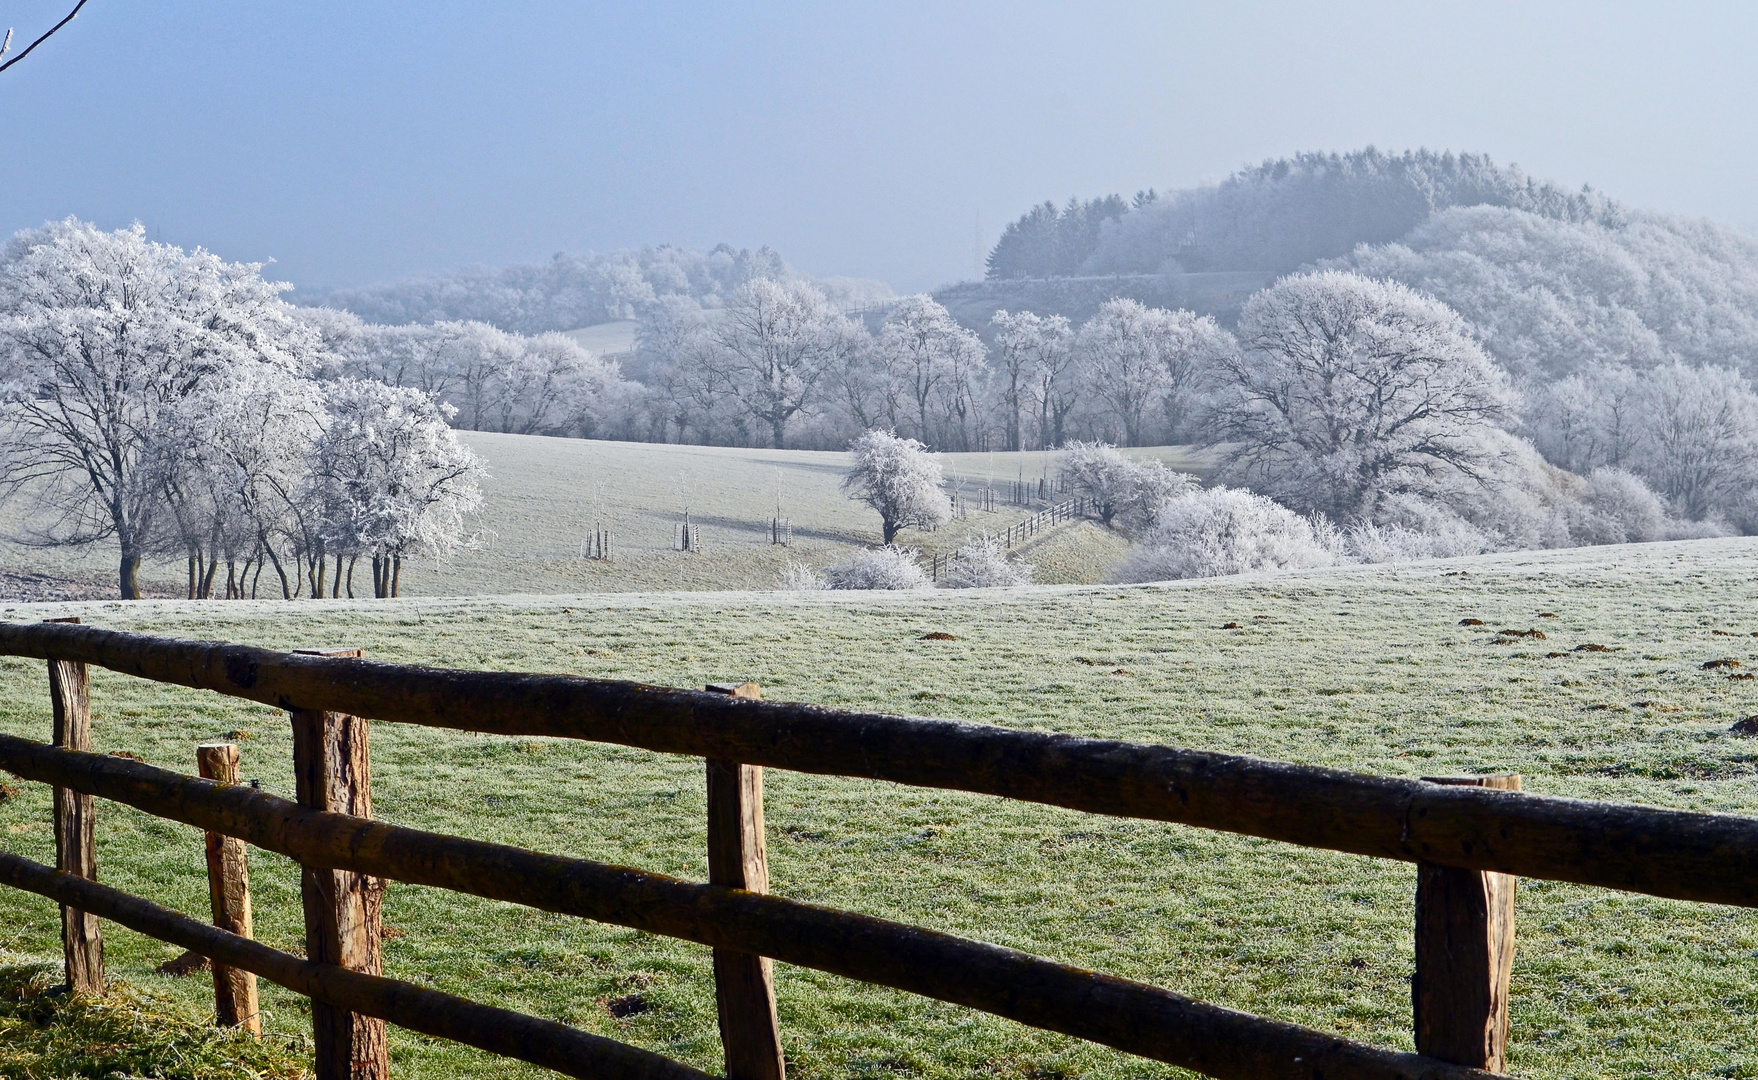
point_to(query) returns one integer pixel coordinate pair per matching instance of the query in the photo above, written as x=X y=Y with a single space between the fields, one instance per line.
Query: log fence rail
x=1469 y=837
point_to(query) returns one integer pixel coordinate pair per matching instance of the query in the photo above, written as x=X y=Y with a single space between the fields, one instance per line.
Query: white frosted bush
x=798 y=577
x=1414 y=528
x=879 y=568
x=1217 y=531
x=1122 y=491
x=1618 y=508
x=981 y=563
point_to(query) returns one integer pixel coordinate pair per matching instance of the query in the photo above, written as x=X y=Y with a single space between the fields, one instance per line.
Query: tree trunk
x=207 y=581
x=378 y=577
x=351 y=559
x=286 y=586
x=336 y=586
x=396 y=574
x=890 y=529
x=192 y=575
x=128 y=573
x=778 y=425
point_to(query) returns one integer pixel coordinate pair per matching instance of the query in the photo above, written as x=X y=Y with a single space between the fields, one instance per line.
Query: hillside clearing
x=1365 y=668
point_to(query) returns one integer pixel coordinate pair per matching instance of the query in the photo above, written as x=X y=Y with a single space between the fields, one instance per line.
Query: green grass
x=543 y=495
x=47 y=1034
x=1363 y=668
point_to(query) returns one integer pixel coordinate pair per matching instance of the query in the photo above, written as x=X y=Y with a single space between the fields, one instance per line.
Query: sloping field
x=544 y=497
x=1365 y=668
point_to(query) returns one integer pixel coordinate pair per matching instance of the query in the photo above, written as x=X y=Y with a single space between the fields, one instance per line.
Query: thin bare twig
x=40 y=40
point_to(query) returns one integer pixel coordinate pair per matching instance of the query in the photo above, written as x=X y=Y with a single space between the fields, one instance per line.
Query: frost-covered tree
x=900 y=480
x=1118 y=350
x=1147 y=366
x=1698 y=440
x=102 y=335
x=771 y=347
x=390 y=479
x=1691 y=433
x=1032 y=363
x=1349 y=389
x=930 y=360
x=1122 y=491
x=232 y=458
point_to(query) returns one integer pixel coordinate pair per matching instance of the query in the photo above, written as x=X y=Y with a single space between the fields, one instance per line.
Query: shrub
x=798 y=577
x=1122 y=491
x=1217 y=531
x=980 y=563
x=880 y=568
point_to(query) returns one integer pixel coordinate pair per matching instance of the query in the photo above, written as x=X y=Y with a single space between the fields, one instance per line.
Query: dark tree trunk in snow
x=128 y=573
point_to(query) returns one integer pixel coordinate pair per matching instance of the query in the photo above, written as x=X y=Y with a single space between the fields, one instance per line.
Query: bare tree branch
x=46 y=36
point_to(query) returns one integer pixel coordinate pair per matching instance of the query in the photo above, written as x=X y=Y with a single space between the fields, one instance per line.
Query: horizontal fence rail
x=1127 y=1015
x=1676 y=854
x=1470 y=838
x=555 y=1046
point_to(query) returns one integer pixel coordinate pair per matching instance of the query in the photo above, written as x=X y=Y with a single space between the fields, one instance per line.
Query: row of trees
x=778 y=364
x=175 y=404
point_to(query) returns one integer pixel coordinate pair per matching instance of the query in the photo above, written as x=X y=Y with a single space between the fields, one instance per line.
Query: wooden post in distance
x=1464 y=954
x=744 y=985
x=82 y=943
x=235 y=998
x=331 y=769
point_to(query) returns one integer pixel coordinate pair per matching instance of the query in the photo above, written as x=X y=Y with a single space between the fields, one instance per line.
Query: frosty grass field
x=544 y=496
x=1363 y=668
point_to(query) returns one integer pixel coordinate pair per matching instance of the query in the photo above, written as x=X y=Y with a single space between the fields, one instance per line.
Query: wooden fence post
x=342 y=924
x=744 y=985
x=235 y=1000
x=82 y=943
x=1464 y=954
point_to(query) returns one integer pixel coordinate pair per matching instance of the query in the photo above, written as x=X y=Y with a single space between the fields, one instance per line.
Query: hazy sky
x=364 y=141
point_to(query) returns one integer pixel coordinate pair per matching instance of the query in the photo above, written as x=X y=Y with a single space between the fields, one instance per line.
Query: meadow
x=544 y=497
x=1365 y=668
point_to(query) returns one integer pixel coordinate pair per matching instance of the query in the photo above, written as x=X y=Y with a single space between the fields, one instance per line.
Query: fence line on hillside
x=1019 y=532
x=1467 y=838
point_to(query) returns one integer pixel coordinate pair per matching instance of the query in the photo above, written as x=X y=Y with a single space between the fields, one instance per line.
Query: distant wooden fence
x=1467 y=838
x=1020 y=532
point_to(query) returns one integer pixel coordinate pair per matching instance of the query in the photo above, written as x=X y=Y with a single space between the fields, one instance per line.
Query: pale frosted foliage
x=900 y=479
x=1216 y=531
x=1350 y=389
x=981 y=563
x=771 y=347
x=498 y=381
x=1691 y=433
x=1551 y=298
x=389 y=474
x=1142 y=367
x=1122 y=491
x=798 y=577
x=1034 y=366
x=103 y=333
x=934 y=369
x=885 y=567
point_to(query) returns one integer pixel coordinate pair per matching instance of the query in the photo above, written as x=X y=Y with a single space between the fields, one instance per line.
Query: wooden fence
x=1021 y=531
x=1468 y=838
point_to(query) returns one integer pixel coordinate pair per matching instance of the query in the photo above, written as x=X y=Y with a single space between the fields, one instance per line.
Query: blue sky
x=360 y=142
